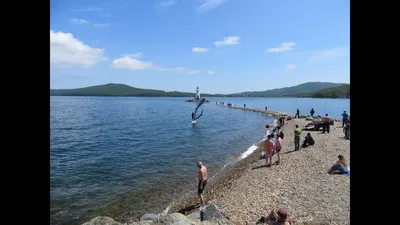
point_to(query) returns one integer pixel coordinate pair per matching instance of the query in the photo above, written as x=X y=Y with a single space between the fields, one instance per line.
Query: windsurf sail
x=201 y=102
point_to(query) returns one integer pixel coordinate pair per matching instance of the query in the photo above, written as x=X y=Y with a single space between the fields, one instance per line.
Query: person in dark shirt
x=308 y=140
x=297 y=113
x=344 y=118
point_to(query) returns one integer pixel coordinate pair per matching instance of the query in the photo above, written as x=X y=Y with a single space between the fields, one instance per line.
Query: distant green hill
x=118 y=90
x=333 y=92
x=301 y=89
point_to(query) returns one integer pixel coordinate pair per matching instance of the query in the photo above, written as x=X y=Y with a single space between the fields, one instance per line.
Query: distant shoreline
x=187 y=96
x=305 y=90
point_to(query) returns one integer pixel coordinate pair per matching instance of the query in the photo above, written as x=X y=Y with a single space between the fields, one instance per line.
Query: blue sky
x=223 y=46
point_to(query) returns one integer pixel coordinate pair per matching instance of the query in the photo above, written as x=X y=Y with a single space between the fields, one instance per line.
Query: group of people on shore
x=341 y=166
x=273 y=145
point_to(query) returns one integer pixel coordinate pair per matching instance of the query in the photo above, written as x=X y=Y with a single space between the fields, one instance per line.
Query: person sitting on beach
x=269 y=149
x=279 y=217
x=308 y=140
x=202 y=181
x=340 y=166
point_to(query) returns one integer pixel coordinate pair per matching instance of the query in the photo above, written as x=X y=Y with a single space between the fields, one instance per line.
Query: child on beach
x=269 y=149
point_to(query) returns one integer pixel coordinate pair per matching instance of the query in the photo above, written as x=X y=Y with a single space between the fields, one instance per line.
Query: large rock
x=211 y=212
x=146 y=217
x=102 y=220
x=175 y=219
x=194 y=215
x=207 y=215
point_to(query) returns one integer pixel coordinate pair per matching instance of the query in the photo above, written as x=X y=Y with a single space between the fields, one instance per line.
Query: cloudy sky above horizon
x=223 y=46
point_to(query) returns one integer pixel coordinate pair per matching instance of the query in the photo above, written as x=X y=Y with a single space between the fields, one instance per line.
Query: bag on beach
x=281 y=134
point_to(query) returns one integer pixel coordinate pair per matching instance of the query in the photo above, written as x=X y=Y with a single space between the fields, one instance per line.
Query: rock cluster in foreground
x=209 y=214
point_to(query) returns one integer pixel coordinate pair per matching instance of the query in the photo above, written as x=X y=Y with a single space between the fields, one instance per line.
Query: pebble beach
x=300 y=183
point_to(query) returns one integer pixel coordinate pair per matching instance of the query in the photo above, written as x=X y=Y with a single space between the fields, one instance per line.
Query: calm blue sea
x=106 y=148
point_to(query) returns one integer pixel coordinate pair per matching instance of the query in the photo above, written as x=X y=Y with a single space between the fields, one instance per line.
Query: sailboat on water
x=194 y=114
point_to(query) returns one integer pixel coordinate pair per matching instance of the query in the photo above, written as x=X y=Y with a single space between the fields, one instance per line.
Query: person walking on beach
x=297 y=133
x=297 y=113
x=326 y=123
x=312 y=112
x=344 y=118
x=269 y=149
x=202 y=181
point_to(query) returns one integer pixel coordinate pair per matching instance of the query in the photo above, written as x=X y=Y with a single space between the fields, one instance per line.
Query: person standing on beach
x=312 y=112
x=269 y=149
x=297 y=133
x=326 y=123
x=278 y=147
x=202 y=181
x=344 y=118
x=297 y=113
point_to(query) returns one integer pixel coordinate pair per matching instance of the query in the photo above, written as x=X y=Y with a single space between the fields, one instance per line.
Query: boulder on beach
x=209 y=214
x=102 y=220
x=149 y=217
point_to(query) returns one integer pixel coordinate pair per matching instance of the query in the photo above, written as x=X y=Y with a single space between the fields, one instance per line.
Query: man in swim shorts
x=202 y=181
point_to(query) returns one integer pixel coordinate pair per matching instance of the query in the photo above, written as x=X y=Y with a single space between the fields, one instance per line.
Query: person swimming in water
x=192 y=116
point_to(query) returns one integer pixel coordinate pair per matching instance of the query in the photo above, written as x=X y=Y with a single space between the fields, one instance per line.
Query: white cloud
x=194 y=71
x=231 y=40
x=290 y=67
x=102 y=24
x=200 y=50
x=330 y=54
x=134 y=55
x=211 y=72
x=79 y=21
x=67 y=51
x=209 y=4
x=284 y=47
x=130 y=63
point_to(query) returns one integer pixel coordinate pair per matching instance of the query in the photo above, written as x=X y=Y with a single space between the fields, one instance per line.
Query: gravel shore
x=300 y=183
